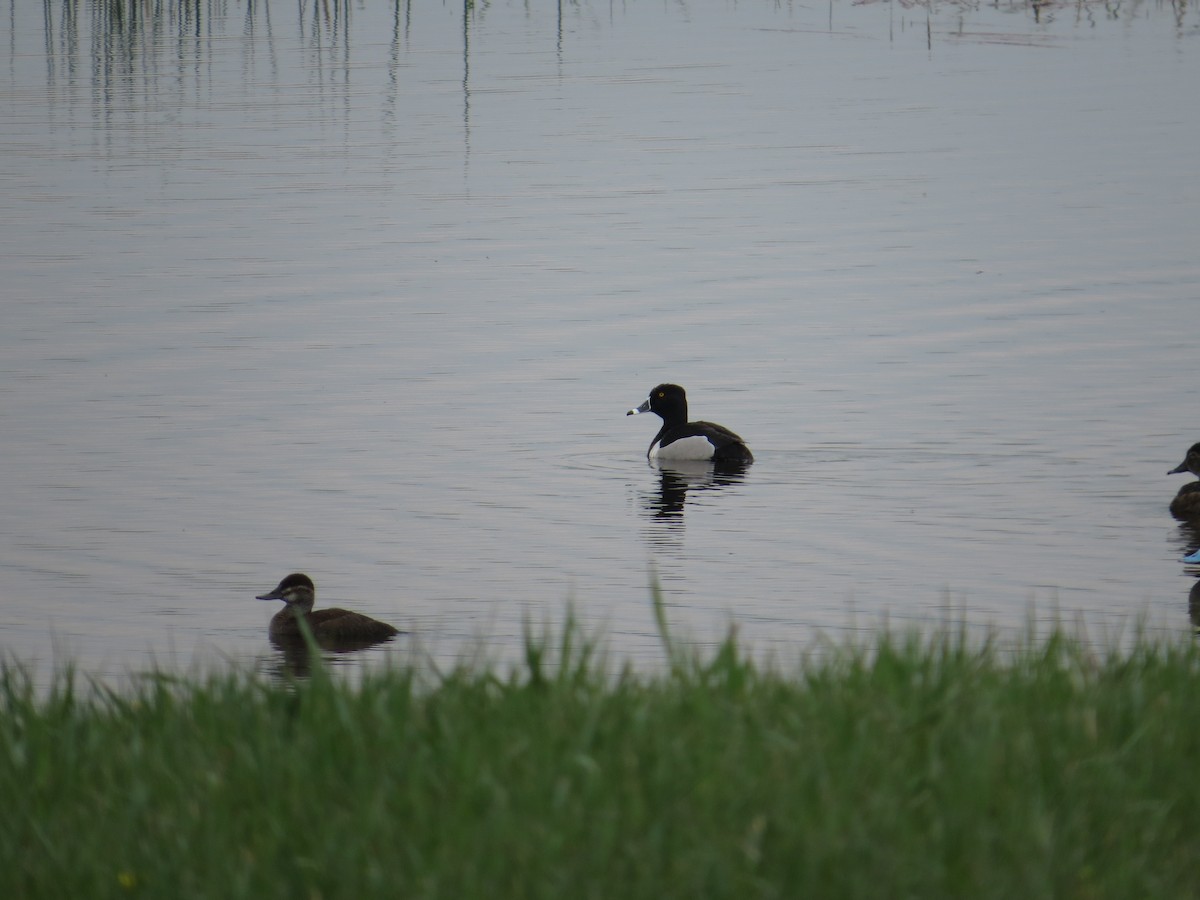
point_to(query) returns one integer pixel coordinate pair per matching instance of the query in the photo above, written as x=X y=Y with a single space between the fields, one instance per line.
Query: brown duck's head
x=1191 y=462
x=297 y=591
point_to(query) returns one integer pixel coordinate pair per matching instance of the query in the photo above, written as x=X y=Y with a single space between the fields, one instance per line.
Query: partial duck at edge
x=1186 y=505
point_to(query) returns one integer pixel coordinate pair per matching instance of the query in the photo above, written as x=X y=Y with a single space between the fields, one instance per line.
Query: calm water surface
x=365 y=290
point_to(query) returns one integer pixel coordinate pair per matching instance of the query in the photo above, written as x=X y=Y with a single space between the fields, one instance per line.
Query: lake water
x=364 y=290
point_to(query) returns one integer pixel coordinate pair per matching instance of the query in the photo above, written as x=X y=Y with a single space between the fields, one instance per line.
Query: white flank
x=686 y=448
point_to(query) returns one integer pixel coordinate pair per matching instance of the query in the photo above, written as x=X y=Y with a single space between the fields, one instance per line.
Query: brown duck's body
x=1186 y=505
x=329 y=626
x=334 y=624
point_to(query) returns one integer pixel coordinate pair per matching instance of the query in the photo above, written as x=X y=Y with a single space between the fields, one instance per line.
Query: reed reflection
x=127 y=53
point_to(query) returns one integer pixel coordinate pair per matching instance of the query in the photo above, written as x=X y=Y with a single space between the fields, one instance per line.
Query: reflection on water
x=664 y=508
x=1193 y=606
x=677 y=477
x=1189 y=531
x=146 y=66
x=293 y=658
x=125 y=52
x=1189 y=534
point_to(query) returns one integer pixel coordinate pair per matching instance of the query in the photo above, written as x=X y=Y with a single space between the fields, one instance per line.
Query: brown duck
x=1186 y=505
x=331 y=627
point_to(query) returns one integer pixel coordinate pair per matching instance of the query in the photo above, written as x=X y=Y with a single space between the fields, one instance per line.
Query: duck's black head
x=296 y=588
x=668 y=401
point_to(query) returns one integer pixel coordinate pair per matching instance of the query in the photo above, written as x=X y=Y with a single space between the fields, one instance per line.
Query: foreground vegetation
x=912 y=768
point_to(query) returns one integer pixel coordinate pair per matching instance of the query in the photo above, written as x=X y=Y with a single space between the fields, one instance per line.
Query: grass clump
x=910 y=768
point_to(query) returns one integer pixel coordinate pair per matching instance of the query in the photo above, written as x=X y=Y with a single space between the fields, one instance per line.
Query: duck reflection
x=1190 y=534
x=1194 y=607
x=293 y=658
x=677 y=477
x=663 y=506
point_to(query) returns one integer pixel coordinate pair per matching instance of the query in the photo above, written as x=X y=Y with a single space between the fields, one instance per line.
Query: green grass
x=911 y=768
